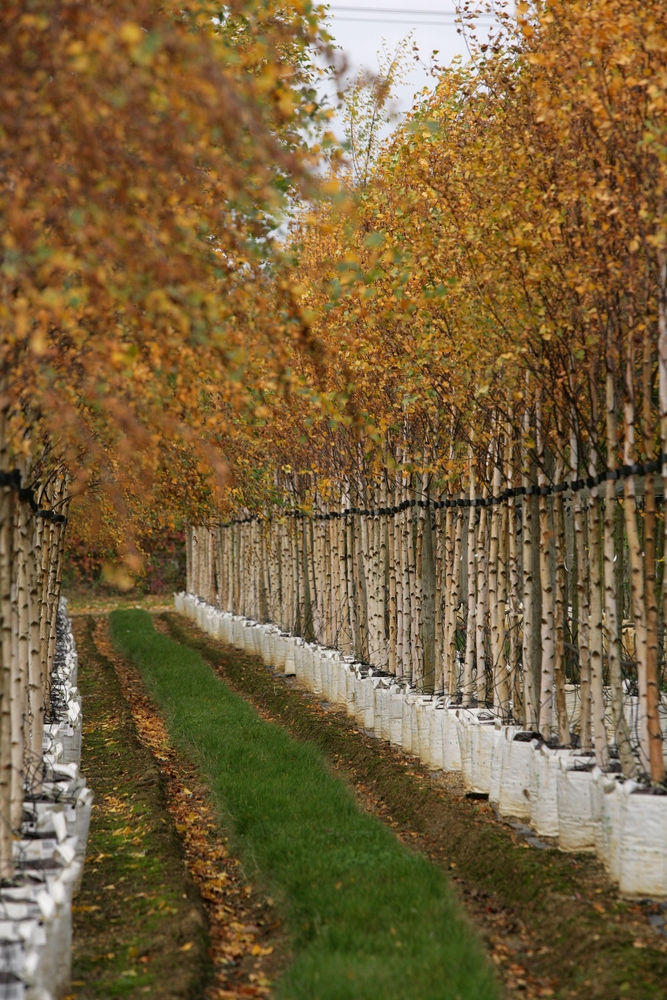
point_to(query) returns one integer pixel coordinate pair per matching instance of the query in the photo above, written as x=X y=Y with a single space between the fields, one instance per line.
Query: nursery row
x=32 y=526
x=528 y=606
x=561 y=793
x=49 y=845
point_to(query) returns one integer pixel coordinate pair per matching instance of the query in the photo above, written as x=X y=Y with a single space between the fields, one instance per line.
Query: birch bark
x=636 y=568
x=467 y=686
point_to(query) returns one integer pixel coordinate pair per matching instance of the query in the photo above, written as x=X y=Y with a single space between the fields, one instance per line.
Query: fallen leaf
x=258 y=950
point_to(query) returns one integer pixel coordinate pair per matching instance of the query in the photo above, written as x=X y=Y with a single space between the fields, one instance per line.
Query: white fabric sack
x=383 y=711
x=308 y=657
x=451 y=747
x=299 y=660
x=396 y=709
x=279 y=651
x=256 y=632
x=436 y=738
x=237 y=633
x=290 y=656
x=350 y=691
x=643 y=843
x=483 y=737
x=544 y=792
x=406 y=724
x=607 y=821
x=409 y=731
x=226 y=628
x=516 y=776
x=463 y=723
x=325 y=670
x=334 y=678
x=424 y=721
x=577 y=806
x=360 y=697
x=316 y=671
x=369 y=704
x=269 y=646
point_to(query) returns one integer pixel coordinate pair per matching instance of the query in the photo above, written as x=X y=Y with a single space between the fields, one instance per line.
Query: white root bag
x=642 y=855
x=325 y=670
x=371 y=722
x=299 y=660
x=544 y=791
x=451 y=747
x=343 y=672
x=308 y=671
x=409 y=733
x=483 y=737
x=424 y=717
x=396 y=716
x=463 y=734
x=436 y=737
x=237 y=633
x=334 y=678
x=316 y=671
x=271 y=640
x=577 y=805
x=279 y=651
x=226 y=628
x=290 y=656
x=364 y=692
x=608 y=821
x=350 y=690
x=257 y=633
x=358 y=710
x=516 y=775
x=383 y=711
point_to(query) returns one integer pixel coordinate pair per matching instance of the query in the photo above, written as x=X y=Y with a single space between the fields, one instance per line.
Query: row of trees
x=147 y=151
x=32 y=529
x=492 y=313
x=487 y=307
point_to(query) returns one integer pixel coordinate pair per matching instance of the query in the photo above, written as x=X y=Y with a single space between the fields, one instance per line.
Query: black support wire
x=572 y=486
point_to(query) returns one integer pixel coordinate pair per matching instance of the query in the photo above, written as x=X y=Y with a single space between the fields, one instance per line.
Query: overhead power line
x=398 y=15
x=384 y=20
x=396 y=10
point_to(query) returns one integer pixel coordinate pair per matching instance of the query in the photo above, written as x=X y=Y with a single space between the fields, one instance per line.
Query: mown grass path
x=368 y=918
x=554 y=924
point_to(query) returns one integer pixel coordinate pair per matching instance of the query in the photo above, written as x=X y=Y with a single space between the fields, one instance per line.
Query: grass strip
x=367 y=917
x=139 y=926
x=555 y=914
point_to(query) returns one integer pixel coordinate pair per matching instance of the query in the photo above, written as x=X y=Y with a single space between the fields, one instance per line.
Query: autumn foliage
x=493 y=313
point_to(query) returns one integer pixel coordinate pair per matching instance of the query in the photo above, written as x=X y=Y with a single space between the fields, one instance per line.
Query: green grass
x=368 y=918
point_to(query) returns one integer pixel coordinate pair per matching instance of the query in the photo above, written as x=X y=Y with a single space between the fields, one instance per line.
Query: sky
x=360 y=27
